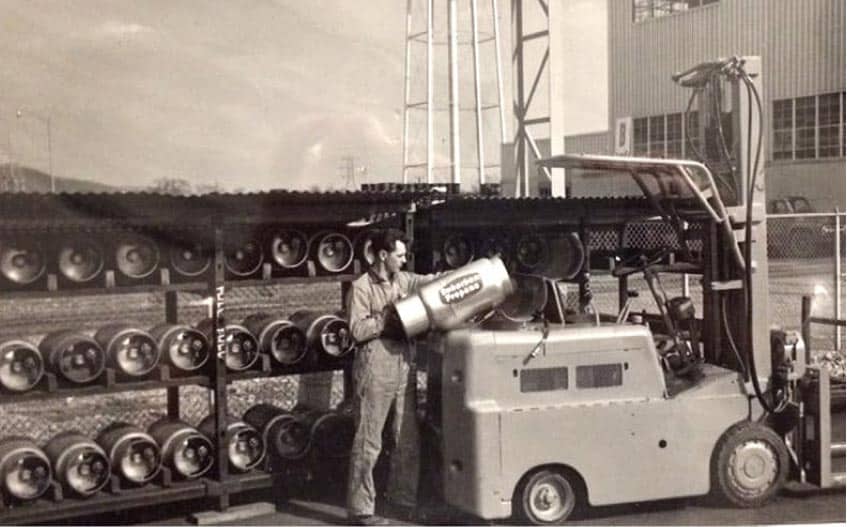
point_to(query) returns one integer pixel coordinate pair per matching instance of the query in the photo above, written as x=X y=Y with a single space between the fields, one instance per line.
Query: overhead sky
x=254 y=94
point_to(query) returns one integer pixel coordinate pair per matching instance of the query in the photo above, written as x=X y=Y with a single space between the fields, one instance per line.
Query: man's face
x=396 y=259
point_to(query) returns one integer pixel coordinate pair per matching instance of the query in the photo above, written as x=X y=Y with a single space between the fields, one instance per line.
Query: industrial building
x=802 y=47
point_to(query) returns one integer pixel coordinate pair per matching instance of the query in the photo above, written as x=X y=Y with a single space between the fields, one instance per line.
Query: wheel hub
x=753 y=468
x=551 y=499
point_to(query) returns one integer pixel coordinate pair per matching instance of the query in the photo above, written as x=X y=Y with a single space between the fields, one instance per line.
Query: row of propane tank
x=133 y=352
x=83 y=466
x=82 y=259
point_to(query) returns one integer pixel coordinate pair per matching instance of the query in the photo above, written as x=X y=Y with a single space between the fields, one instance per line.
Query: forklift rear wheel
x=750 y=465
x=549 y=497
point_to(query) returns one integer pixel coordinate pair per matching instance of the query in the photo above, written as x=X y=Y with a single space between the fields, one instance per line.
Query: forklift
x=541 y=416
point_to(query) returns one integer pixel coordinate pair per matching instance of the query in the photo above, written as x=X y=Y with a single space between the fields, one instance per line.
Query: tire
x=549 y=497
x=749 y=465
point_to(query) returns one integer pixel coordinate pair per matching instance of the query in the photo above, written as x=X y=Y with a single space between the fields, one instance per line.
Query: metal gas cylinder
x=289 y=248
x=242 y=348
x=184 y=449
x=181 y=346
x=189 y=257
x=24 y=468
x=130 y=350
x=79 y=464
x=451 y=299
x=80 y=259
x=22 y=262
x=245 y=448
x=532 y=252
x=363 y=247
x=243 y=254
x=333 y=251
x=284 y=433
x=277 y=337
x=136 y=256
x=73 y=355
x=325 y=332
x=133 y=453
x=331 y=433
x=457 y=250
x=21 y=365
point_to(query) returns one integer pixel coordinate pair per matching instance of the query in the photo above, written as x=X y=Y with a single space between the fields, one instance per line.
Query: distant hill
x=27 y=179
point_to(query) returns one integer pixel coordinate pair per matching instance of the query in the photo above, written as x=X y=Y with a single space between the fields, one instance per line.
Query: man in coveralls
x=383 y=376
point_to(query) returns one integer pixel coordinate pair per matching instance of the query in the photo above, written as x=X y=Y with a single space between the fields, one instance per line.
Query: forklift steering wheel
x=640 y=262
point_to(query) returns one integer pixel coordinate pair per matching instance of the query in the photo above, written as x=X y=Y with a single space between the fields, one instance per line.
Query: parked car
x=799 y=236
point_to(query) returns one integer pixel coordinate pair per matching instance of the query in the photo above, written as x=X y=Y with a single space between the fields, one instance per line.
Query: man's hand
x=392 y=328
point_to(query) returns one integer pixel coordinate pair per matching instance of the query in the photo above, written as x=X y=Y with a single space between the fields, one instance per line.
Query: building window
x=544 y=379
x=657 y=136
x=809 y=127
x=829 y=130
x=673 y=134
x=783 y=126
x=599 y=376
x=645 y=9
x=639 y=137
x=692 y=135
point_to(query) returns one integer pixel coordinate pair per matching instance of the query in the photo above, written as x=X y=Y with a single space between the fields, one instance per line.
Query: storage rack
x=36 y=214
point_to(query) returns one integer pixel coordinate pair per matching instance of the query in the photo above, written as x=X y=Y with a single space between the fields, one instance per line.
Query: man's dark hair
x=386 y=239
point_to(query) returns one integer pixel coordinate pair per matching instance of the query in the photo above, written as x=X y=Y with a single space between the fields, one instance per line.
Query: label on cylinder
x=461 y=288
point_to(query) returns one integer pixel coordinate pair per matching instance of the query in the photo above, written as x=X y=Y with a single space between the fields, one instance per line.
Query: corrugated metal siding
x=593 y=143
x=801 y=43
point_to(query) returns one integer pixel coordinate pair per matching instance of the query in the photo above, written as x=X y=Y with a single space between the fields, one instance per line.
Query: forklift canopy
x=670 y=185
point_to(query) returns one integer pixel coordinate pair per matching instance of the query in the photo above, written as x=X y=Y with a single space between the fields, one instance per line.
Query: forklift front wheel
x=750 y=465
x=549 y=496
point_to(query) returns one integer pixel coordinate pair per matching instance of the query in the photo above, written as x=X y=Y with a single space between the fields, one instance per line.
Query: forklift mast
x=730 y=131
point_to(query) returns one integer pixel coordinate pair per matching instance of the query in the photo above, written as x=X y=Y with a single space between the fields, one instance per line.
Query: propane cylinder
x=333 y=251
x=21 y=261
x=80 y=260
x=183 y=347
x=136 y=256
x=289 y=248
x=133 y=453
x=184 y=449
x=331 y=433
x=283 y=432
x=189 y=257
x=363 y=246
x=245 y=447
x=21 y=365
x=243 y=256
x=277 y=337
x=457 y=250
x=242 y=349
x=532 y=253
x=79 y=464
x=130 y=350
x=453 y=298
x=24 y=467
x=73 y=355
x=325 y=332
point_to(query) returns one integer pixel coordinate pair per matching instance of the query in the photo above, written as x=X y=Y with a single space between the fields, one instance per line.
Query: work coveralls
x=383 y=376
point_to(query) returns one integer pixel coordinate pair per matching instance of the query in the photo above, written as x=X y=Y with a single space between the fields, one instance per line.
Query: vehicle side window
x=779 y=207
x=599 y=376
x=801 y=205
x=544 y=379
